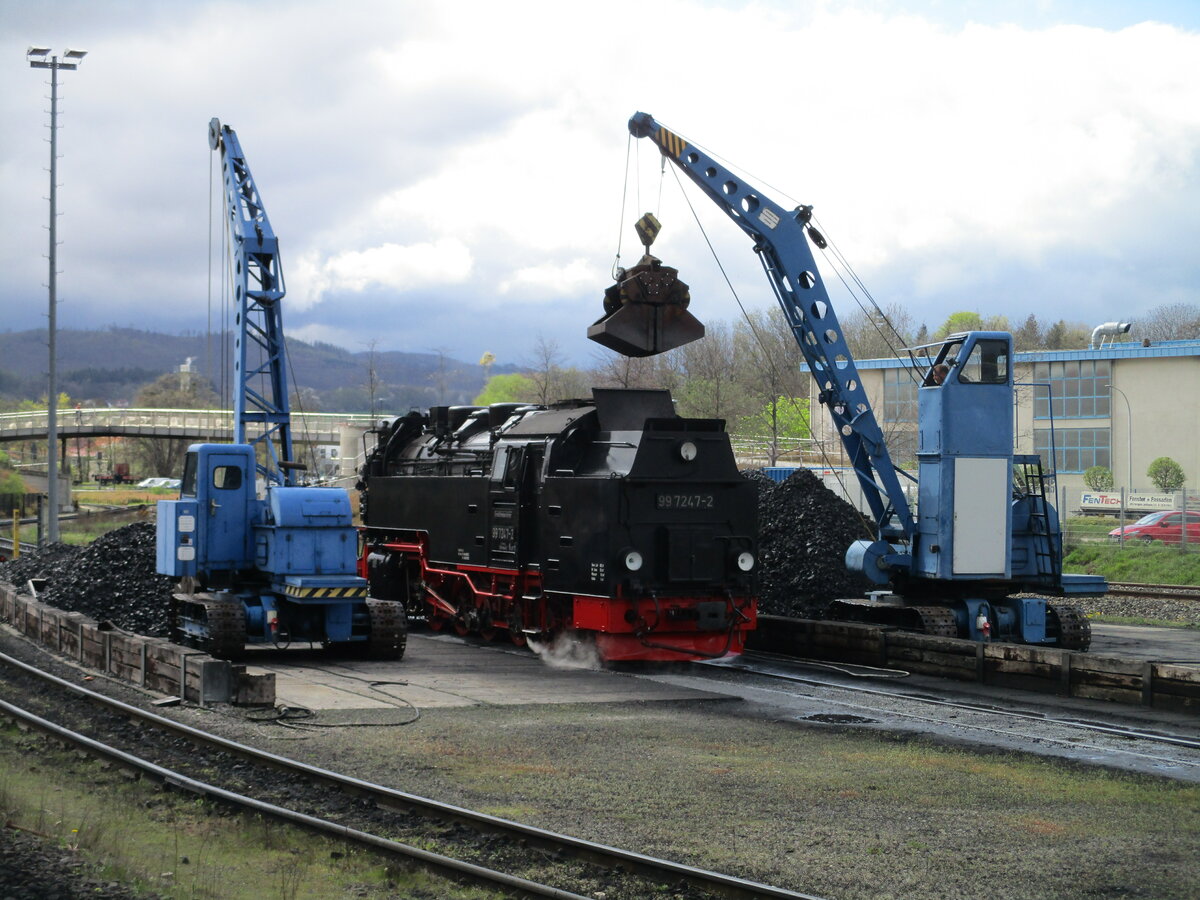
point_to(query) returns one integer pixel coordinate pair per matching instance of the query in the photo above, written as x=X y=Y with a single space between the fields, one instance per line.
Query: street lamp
x=1128 y=433
x=37 y=60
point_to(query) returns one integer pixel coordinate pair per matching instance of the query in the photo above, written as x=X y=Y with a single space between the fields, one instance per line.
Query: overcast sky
x=451 y=175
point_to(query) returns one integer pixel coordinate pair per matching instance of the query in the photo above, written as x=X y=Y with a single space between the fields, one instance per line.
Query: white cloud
x=406 y=147
x=399 y=268
x=554 y=281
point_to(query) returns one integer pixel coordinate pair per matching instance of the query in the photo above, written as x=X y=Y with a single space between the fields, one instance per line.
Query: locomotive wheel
x=518 y=638
x=435 y=623
x=490 y=633
x=461 y=628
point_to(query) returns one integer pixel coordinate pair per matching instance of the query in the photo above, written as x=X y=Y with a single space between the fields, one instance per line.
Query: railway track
x=468 y=841
x=1156 y=749
x=1167 y=591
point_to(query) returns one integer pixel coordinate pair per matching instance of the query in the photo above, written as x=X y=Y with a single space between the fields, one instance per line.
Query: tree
x=710 y=368
x=12 y=487
x=784 y=419
x=1169 y=322
x=1029 y=335
x=175 y=390
x=553 y=380
x=1064 y=335
x=1166 y=474
x=615 y=370
x=959 y=321
x=877 y=334
x=43 y=402
x=514 y=388
x=1098 y=478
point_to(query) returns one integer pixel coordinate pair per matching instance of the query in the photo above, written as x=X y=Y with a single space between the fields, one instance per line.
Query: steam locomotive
x=610 y=521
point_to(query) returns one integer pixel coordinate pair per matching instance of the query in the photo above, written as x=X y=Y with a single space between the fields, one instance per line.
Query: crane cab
x=209 y=529
x=964 y=457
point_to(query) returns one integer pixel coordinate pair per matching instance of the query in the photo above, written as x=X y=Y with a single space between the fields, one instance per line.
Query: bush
x=1098 y=478
x=1166 y=474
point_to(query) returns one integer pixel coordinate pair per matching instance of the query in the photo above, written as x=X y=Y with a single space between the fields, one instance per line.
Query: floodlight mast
x=37 y=60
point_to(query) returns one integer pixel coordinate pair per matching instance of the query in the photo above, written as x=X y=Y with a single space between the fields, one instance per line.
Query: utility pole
x=37 y=60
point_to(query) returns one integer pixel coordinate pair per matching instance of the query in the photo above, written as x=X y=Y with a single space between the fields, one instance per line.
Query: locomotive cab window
x=512 y=468
x=227 y=478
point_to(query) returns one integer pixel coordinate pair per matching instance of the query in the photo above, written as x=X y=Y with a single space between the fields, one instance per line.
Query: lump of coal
x=112 y=579
x=804 y=531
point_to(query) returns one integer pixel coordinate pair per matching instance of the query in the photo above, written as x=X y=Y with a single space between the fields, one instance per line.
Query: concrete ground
x=1164 y=645
x=440 y=671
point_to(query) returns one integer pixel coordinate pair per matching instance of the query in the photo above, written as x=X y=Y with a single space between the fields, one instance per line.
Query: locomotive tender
x=611 y=520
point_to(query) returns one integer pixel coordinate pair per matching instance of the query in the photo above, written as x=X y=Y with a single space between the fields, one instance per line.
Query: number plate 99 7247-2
x=684 y=501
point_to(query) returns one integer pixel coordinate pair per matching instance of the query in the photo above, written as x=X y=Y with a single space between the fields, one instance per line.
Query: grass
x=122 y=496
x=1151 y=564
x=838 y=814
x=182 y=847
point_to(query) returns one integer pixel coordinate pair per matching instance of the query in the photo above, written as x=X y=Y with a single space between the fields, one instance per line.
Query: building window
x=1076 y=449
x=899 y=395
x=1078 y=389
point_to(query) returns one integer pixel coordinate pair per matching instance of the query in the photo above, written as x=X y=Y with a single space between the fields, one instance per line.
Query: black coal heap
x=804 y=531
x=112 y=579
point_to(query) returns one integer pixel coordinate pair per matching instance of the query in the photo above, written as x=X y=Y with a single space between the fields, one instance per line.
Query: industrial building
x=1121 y=406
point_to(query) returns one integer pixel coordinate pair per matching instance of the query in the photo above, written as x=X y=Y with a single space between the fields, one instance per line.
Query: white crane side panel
x=982 y=488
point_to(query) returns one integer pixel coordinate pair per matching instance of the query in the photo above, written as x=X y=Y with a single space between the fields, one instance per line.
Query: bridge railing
x=192 y=421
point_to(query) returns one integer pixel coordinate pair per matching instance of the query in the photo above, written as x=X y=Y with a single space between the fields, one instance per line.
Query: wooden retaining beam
x=152 y=663
x=1044 y=670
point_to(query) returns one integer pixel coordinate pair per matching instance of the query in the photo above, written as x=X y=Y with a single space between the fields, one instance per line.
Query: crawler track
x=359 y=807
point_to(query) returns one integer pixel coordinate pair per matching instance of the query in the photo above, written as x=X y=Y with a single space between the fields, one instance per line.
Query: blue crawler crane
x=984 y=537
x=280 y=565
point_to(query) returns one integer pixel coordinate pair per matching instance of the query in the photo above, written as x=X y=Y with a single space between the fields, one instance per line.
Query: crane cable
x=834 y=262
x=767 y=356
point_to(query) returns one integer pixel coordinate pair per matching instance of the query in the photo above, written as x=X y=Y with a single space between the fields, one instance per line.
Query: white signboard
x=1095 y=501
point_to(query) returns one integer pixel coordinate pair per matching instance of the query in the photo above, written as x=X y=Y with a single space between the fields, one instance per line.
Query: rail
x=516 y=834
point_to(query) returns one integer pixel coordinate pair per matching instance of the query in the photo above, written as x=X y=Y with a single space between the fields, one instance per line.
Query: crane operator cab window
x=190 y=467
x=987 y=364
x=227 y=478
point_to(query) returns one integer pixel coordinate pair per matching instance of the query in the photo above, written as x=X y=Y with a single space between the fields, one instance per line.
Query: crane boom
x=781 y=239
x=260 y=370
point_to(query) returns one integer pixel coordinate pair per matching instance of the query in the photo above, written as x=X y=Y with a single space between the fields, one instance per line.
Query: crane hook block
x=645 y=312
x=647 y=228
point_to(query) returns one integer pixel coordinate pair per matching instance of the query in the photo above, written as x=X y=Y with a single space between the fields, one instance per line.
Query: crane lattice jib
x=260 y=366
x=781 y=239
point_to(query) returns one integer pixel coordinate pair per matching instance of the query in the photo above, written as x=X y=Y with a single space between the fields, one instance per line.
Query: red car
x=1162 y=526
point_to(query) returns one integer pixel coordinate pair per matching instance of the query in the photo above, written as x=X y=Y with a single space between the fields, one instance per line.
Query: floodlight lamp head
x=75 y=54
x=41 y=52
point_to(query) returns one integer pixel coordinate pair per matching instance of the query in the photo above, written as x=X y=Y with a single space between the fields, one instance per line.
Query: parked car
x=1162 y=526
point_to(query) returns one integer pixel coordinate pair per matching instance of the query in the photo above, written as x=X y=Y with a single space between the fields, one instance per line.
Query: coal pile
x=41 y=563
x=113 y=579
x=804 y=530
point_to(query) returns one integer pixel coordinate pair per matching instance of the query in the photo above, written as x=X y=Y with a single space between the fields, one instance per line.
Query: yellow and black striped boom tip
x=671 y=143
x=643 y=125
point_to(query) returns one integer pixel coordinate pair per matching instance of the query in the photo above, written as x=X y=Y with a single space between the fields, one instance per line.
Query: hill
x=109 y=366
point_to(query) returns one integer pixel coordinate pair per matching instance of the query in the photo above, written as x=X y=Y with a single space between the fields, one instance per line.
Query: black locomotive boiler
x=610 y=520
